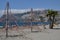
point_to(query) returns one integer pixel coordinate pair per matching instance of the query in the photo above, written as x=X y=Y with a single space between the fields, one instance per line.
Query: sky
x=24 y=4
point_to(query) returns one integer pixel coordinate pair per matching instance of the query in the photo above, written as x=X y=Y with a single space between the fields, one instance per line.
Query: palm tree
x=54 y=13
x=51 y=14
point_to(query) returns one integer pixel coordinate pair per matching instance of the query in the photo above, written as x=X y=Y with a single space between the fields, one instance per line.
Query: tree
x=51 y=14
x=54 y=13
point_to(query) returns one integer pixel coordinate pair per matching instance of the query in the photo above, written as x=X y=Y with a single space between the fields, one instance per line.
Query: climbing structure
x=37 y=28
x=9 y=17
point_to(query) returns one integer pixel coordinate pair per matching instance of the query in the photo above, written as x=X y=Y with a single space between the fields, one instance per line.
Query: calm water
x=25 y=23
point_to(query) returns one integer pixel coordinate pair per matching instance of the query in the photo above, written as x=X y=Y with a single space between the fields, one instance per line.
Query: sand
x=26 y=34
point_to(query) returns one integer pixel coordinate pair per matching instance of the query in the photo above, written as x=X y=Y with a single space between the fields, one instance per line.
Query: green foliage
x=54 y=13
x=51 y=14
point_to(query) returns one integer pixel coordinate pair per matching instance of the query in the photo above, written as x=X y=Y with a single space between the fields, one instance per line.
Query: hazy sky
x=23 y=4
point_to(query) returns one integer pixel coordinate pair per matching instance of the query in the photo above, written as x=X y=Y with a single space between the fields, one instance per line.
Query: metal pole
x=7 y=19
x=31 y=18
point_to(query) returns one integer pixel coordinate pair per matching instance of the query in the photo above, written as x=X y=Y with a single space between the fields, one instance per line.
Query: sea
x=25 y=23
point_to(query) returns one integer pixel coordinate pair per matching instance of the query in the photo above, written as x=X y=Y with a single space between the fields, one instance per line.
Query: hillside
x=25 y=16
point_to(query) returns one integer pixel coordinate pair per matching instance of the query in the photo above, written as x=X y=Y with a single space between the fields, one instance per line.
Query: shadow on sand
x=56 y=28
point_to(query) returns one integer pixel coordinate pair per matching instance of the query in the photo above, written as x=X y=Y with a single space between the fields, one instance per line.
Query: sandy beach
x=24 y=33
